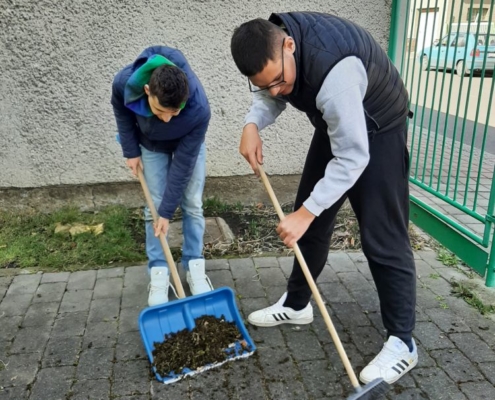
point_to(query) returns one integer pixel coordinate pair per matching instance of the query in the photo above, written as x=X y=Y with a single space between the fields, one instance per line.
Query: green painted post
x=394 y=25
x=490 y=268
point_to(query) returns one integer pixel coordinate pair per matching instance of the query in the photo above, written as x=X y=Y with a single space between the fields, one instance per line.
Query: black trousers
x=380 y=200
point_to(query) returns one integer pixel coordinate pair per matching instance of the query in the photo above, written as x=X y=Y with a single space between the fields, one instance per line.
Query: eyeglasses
x=272 y=85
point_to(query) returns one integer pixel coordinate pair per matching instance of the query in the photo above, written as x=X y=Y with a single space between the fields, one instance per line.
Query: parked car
x=460 y=52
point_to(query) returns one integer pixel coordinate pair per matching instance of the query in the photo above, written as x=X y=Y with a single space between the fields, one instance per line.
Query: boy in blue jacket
x=162 y=115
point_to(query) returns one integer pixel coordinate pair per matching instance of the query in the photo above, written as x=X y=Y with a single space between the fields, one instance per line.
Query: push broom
x=372 y=391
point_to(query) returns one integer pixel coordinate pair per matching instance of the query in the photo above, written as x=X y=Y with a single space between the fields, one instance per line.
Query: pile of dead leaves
x=254 y=229
x=207 y=343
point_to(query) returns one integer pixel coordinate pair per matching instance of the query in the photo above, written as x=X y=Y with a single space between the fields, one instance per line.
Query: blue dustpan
x=155 y=322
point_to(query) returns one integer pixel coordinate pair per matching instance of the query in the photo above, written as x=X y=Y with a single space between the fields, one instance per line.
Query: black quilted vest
x=322 y=41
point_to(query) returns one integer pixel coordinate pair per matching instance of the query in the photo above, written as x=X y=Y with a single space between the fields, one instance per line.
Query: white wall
x=58 y=58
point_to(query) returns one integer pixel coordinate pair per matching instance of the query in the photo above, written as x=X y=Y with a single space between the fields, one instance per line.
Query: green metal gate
x=445 y=51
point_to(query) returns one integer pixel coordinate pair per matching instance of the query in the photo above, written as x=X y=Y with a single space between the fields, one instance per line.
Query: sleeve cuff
x=165 y=213
x=313 y=207
x=132 y=154
x=252 y=120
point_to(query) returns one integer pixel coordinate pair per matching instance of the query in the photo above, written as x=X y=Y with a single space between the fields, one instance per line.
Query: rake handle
x=163 y=240
x=312 y=285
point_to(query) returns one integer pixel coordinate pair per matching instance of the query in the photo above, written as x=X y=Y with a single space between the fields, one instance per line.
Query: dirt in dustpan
x=207 y=343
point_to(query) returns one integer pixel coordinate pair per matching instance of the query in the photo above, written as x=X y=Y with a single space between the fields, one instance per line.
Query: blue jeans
x=156 y=167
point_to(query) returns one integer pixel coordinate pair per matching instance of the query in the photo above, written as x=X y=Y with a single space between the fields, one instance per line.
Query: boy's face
x=163 y=113
x=279 y=75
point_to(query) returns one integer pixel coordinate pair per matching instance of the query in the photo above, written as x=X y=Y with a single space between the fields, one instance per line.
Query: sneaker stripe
x=275 y=316
x=286 y=316
x=397 y=370
x=281 y=317
x=400 y=366
x=406 y=364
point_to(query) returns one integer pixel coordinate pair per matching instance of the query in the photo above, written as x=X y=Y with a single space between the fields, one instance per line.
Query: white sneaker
x=391 y=363
x=158 y=287
x=278 y=314
x=196 y=277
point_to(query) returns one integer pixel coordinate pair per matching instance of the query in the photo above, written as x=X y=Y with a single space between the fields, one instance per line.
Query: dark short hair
x=169 y=84
x=253 y=44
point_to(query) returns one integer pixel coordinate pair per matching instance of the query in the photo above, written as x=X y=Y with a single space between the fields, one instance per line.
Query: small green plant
x=434 y=276
x=213 y=205
x=238 y=206
x=464 y=292
x=253 y=229
x=447 y=258
x=441 y=302
x=451 y=260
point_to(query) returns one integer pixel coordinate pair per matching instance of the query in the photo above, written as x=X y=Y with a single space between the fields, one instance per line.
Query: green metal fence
x=445 y=51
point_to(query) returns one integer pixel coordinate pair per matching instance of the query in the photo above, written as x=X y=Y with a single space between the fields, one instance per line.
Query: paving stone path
x=75 y=336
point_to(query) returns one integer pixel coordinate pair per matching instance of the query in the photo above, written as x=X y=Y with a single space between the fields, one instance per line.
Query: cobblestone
x=80 y=338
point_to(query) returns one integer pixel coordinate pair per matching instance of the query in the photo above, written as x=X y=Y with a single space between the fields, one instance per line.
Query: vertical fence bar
x=394 y=22
x=440 y=170
x=483 y=72
x=424 y=102
x=410 y=39
x=458 y=101
x=491 y=199
x=490 y=268
x=413 y=136
x=490 y=101
x=416 y=109
x=461 y=75
x=431 y=114
x=405 y=46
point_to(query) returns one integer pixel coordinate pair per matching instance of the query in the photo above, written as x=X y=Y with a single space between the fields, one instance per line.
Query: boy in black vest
x=335 y=72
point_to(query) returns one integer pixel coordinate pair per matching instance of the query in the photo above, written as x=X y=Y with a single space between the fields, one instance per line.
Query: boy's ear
x=290 y=45
x=147 y=89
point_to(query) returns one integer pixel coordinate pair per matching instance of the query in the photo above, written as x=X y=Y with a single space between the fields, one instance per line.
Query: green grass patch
x=464 y=292
x=215 y=206
x=30 y=241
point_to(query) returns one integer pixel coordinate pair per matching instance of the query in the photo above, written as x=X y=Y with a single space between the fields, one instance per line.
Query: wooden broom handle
x=312 y=285
x=163 y=240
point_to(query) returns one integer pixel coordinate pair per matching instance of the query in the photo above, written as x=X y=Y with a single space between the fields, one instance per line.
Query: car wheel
x=425 y=63
x=460 y=69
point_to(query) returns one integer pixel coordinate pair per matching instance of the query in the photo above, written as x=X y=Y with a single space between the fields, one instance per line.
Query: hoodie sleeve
x=340 y=100
x=125 y=118
x=264 y=110
x=181 y=169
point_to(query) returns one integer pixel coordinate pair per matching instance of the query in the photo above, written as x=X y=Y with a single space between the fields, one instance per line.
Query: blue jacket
x=182 y=136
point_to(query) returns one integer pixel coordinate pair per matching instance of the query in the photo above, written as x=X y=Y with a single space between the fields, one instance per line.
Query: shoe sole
x=395 y=379
x=157 y=304
x=206 y=291
x=302 y=321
